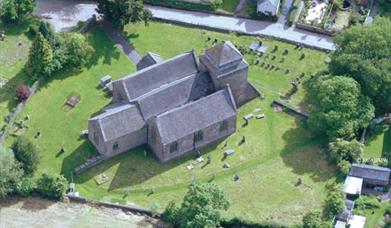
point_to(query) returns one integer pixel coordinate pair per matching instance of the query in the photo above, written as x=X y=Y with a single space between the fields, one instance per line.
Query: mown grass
x=13 y=56
x=228 y=6
x=278 y=150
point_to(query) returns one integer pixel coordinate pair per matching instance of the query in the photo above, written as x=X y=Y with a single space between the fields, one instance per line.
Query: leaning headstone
x=260 y=116
x=248 y=116
x=226 y=165
x=229 y=152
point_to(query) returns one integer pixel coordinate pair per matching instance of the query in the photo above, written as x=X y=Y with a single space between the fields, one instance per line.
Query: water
x=36 y=212
x=64 y=14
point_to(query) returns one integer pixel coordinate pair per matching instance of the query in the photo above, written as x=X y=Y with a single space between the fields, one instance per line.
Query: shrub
x=344 y=167
x=367 y=202
x=170 y=214
x=10 y=172
x=52 y=185
x=22 y=92
x=27 y=154
x=335 y=201
x=25 y=186
x=312 y=219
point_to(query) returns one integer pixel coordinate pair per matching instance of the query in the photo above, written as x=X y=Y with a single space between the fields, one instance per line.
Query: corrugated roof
x=119 y=121
x=194 y=116
x=370 y=172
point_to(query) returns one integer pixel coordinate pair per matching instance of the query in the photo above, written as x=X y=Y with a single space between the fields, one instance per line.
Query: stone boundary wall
x=313 y=29
x=133 y=209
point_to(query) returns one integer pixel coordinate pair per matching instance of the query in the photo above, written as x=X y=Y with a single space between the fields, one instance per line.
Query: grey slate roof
x=268 y=6
x=370 y=172
x=148 y=59
x=223 y=53
x=175 y=94
x=160 y=74
x=189 y=118
x=119 y=121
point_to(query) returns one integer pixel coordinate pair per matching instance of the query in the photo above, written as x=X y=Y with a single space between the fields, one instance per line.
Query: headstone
x=229 y=152
x=236 y=177
x=260 y=116
x=226 y=165
x=248 y=116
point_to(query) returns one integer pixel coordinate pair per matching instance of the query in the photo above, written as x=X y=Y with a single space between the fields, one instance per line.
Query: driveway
x=247 y=26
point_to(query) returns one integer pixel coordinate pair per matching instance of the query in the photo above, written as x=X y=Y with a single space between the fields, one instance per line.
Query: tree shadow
x=386 y=143
x=31 y=203
x=20 y=28
x=304 y=152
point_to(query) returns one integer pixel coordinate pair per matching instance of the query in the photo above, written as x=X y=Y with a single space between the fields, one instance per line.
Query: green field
x=228 y=6
x=13 y=57
x=278 y=150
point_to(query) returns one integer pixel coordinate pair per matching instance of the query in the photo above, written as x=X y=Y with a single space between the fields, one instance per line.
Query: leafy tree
x=40 y=58
x=337 y=107
x=13 y=11
x=364 y=54
x=46 y=29
x=52 y=185
x=345 y=150
x=200 y=208
x=10 y=172
x=312 y=219
x=25 y=186
x=22 y=92
x=77 y=50
x=27 y=154
x=122 y=12
x=335 y=201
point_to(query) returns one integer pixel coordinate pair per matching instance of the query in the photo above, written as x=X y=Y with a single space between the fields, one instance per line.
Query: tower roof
x=223 y=53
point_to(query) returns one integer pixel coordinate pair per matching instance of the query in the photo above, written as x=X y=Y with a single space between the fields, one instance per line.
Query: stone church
x=174 y=106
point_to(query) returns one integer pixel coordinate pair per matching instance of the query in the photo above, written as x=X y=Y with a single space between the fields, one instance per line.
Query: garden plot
x=316 y=12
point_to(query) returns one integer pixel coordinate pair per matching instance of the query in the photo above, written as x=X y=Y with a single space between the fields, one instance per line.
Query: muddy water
x=35 y=212
x=64 y=14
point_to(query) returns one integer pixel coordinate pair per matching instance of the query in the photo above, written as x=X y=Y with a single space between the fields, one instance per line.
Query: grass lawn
x=375 y=216
x=228 y=6
x=293 y=12
x=278 y=150
x=378 y=146
x=12 y=58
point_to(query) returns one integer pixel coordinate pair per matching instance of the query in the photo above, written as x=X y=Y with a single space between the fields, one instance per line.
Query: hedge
x=183 y=4
x=240 y=223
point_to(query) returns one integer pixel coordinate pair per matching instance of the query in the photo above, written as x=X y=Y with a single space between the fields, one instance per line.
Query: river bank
x=37 y=212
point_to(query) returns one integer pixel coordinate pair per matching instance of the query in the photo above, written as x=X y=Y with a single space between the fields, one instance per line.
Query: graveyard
x=269 y=153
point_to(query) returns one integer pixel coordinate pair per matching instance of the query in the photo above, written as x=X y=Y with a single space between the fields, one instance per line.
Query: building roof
x=119 y=121
x=353 y=185
x=340 y=224
x=357 y=221
x=194 y=116
x=174 y=94
x=223 y=53
x=148 y=59
x=370 y=172
x=268 y=6
x=164 y=72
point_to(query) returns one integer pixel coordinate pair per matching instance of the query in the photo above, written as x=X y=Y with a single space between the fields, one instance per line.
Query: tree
x=52 y=185
x=13 y=11
x=22 y=92
x=77 y=50
x=200 y=208
x=40 y=58
x=337 y=106
x=27 y=154
x=364 y=54
x=10 y=172
x=335 y=203
x=345 y=150
x=122 y=12
x=25 y=186
x=312 y=219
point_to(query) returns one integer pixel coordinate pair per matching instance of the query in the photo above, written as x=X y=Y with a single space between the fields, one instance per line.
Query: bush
x=187 y=5
x=10 y=172
x=52 y=185
x=25 y=186
x=170 y=214
x=22 y=92
x=27 y=154
x=344 y=167
x=237 y=222
x=13 y=11
x=312 y=219
x=367 y=202
x=335 y=203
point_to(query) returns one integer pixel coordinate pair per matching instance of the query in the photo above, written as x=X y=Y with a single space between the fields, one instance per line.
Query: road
x=246 y=26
